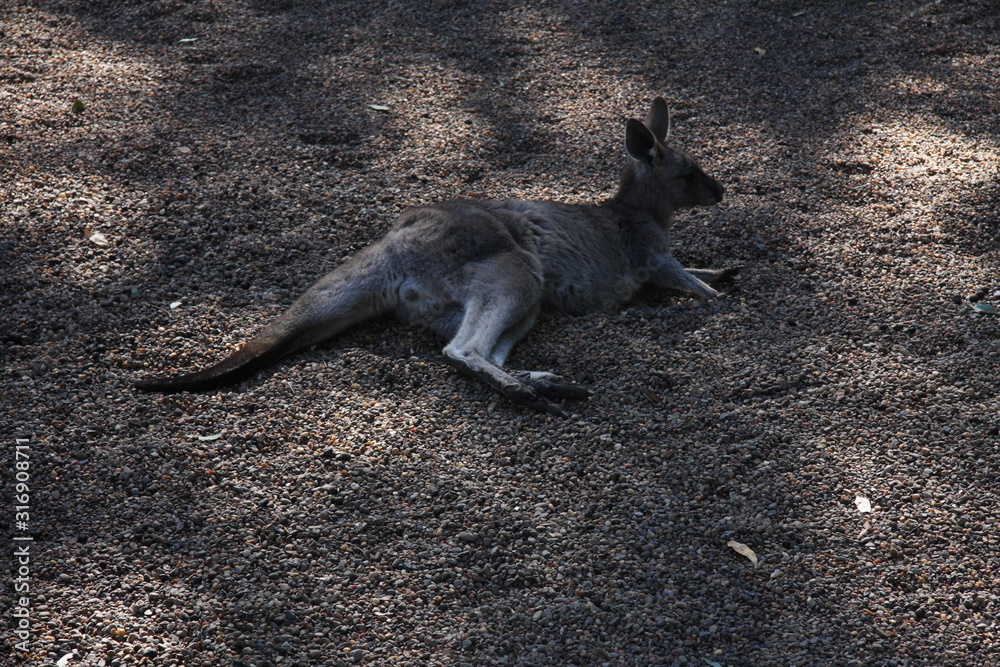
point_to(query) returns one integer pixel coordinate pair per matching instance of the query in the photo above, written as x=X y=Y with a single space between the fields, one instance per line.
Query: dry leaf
x=863 y=504
x=97 y=238
x=62 y=662
x=743 y=550
x=378 y=107
x=759 y=51
x=210 y=437
x=175 y=305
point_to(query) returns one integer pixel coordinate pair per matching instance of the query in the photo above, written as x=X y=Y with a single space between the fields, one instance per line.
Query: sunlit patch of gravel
x=361 y=504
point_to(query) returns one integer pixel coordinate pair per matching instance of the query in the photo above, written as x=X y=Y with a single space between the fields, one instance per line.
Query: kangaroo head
x=658 y=178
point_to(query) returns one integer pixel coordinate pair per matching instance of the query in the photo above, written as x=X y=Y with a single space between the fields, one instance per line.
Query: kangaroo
x=478 y=273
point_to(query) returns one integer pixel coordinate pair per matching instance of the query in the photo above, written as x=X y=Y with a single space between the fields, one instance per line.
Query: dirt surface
x=363 y=504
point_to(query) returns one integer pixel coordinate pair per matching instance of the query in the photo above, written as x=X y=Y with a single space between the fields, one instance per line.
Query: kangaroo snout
x=716 y=191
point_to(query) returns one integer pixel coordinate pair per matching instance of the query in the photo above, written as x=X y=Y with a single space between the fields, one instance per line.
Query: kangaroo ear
x=658 y=119
x=640 y=142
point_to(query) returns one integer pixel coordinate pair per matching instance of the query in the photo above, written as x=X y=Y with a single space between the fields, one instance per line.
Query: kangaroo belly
x=582 y=296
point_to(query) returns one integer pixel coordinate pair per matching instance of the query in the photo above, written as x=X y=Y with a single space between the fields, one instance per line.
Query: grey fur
x=479 y=272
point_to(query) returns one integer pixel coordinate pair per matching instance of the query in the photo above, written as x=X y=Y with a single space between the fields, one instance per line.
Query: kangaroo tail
x=357 y=290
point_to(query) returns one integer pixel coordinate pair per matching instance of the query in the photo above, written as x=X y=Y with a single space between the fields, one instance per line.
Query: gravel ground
x=362 y=503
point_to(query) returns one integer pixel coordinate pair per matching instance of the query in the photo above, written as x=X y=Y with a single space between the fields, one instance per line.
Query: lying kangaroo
x=479 y=272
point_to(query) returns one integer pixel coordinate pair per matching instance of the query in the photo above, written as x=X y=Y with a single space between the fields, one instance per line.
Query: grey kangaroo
x=479 y=272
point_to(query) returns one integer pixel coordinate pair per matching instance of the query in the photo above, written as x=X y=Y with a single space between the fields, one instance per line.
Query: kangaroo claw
x=730 y=274
x=552 y=386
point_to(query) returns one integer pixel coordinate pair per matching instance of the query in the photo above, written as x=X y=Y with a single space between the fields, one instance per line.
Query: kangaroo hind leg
x=545 y=383
x=497 y=314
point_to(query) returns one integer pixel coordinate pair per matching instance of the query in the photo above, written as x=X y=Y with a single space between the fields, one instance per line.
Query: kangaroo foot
x=513 y=388
x=532 y=400
x=551 y=385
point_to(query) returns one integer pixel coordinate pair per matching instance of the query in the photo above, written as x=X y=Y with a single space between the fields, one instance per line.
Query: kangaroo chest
x=589 y=262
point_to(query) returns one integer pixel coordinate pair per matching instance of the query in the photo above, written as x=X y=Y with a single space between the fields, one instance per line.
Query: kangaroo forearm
x=668 y=273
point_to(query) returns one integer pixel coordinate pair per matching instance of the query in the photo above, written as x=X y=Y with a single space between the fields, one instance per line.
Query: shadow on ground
x=362 y=503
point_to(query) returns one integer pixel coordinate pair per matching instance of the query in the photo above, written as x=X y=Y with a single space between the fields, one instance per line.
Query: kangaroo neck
x=640 y=212
x=639 y=195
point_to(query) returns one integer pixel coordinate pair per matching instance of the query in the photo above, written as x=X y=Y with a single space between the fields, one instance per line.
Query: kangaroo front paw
x=716 y=276
x=727 y=276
